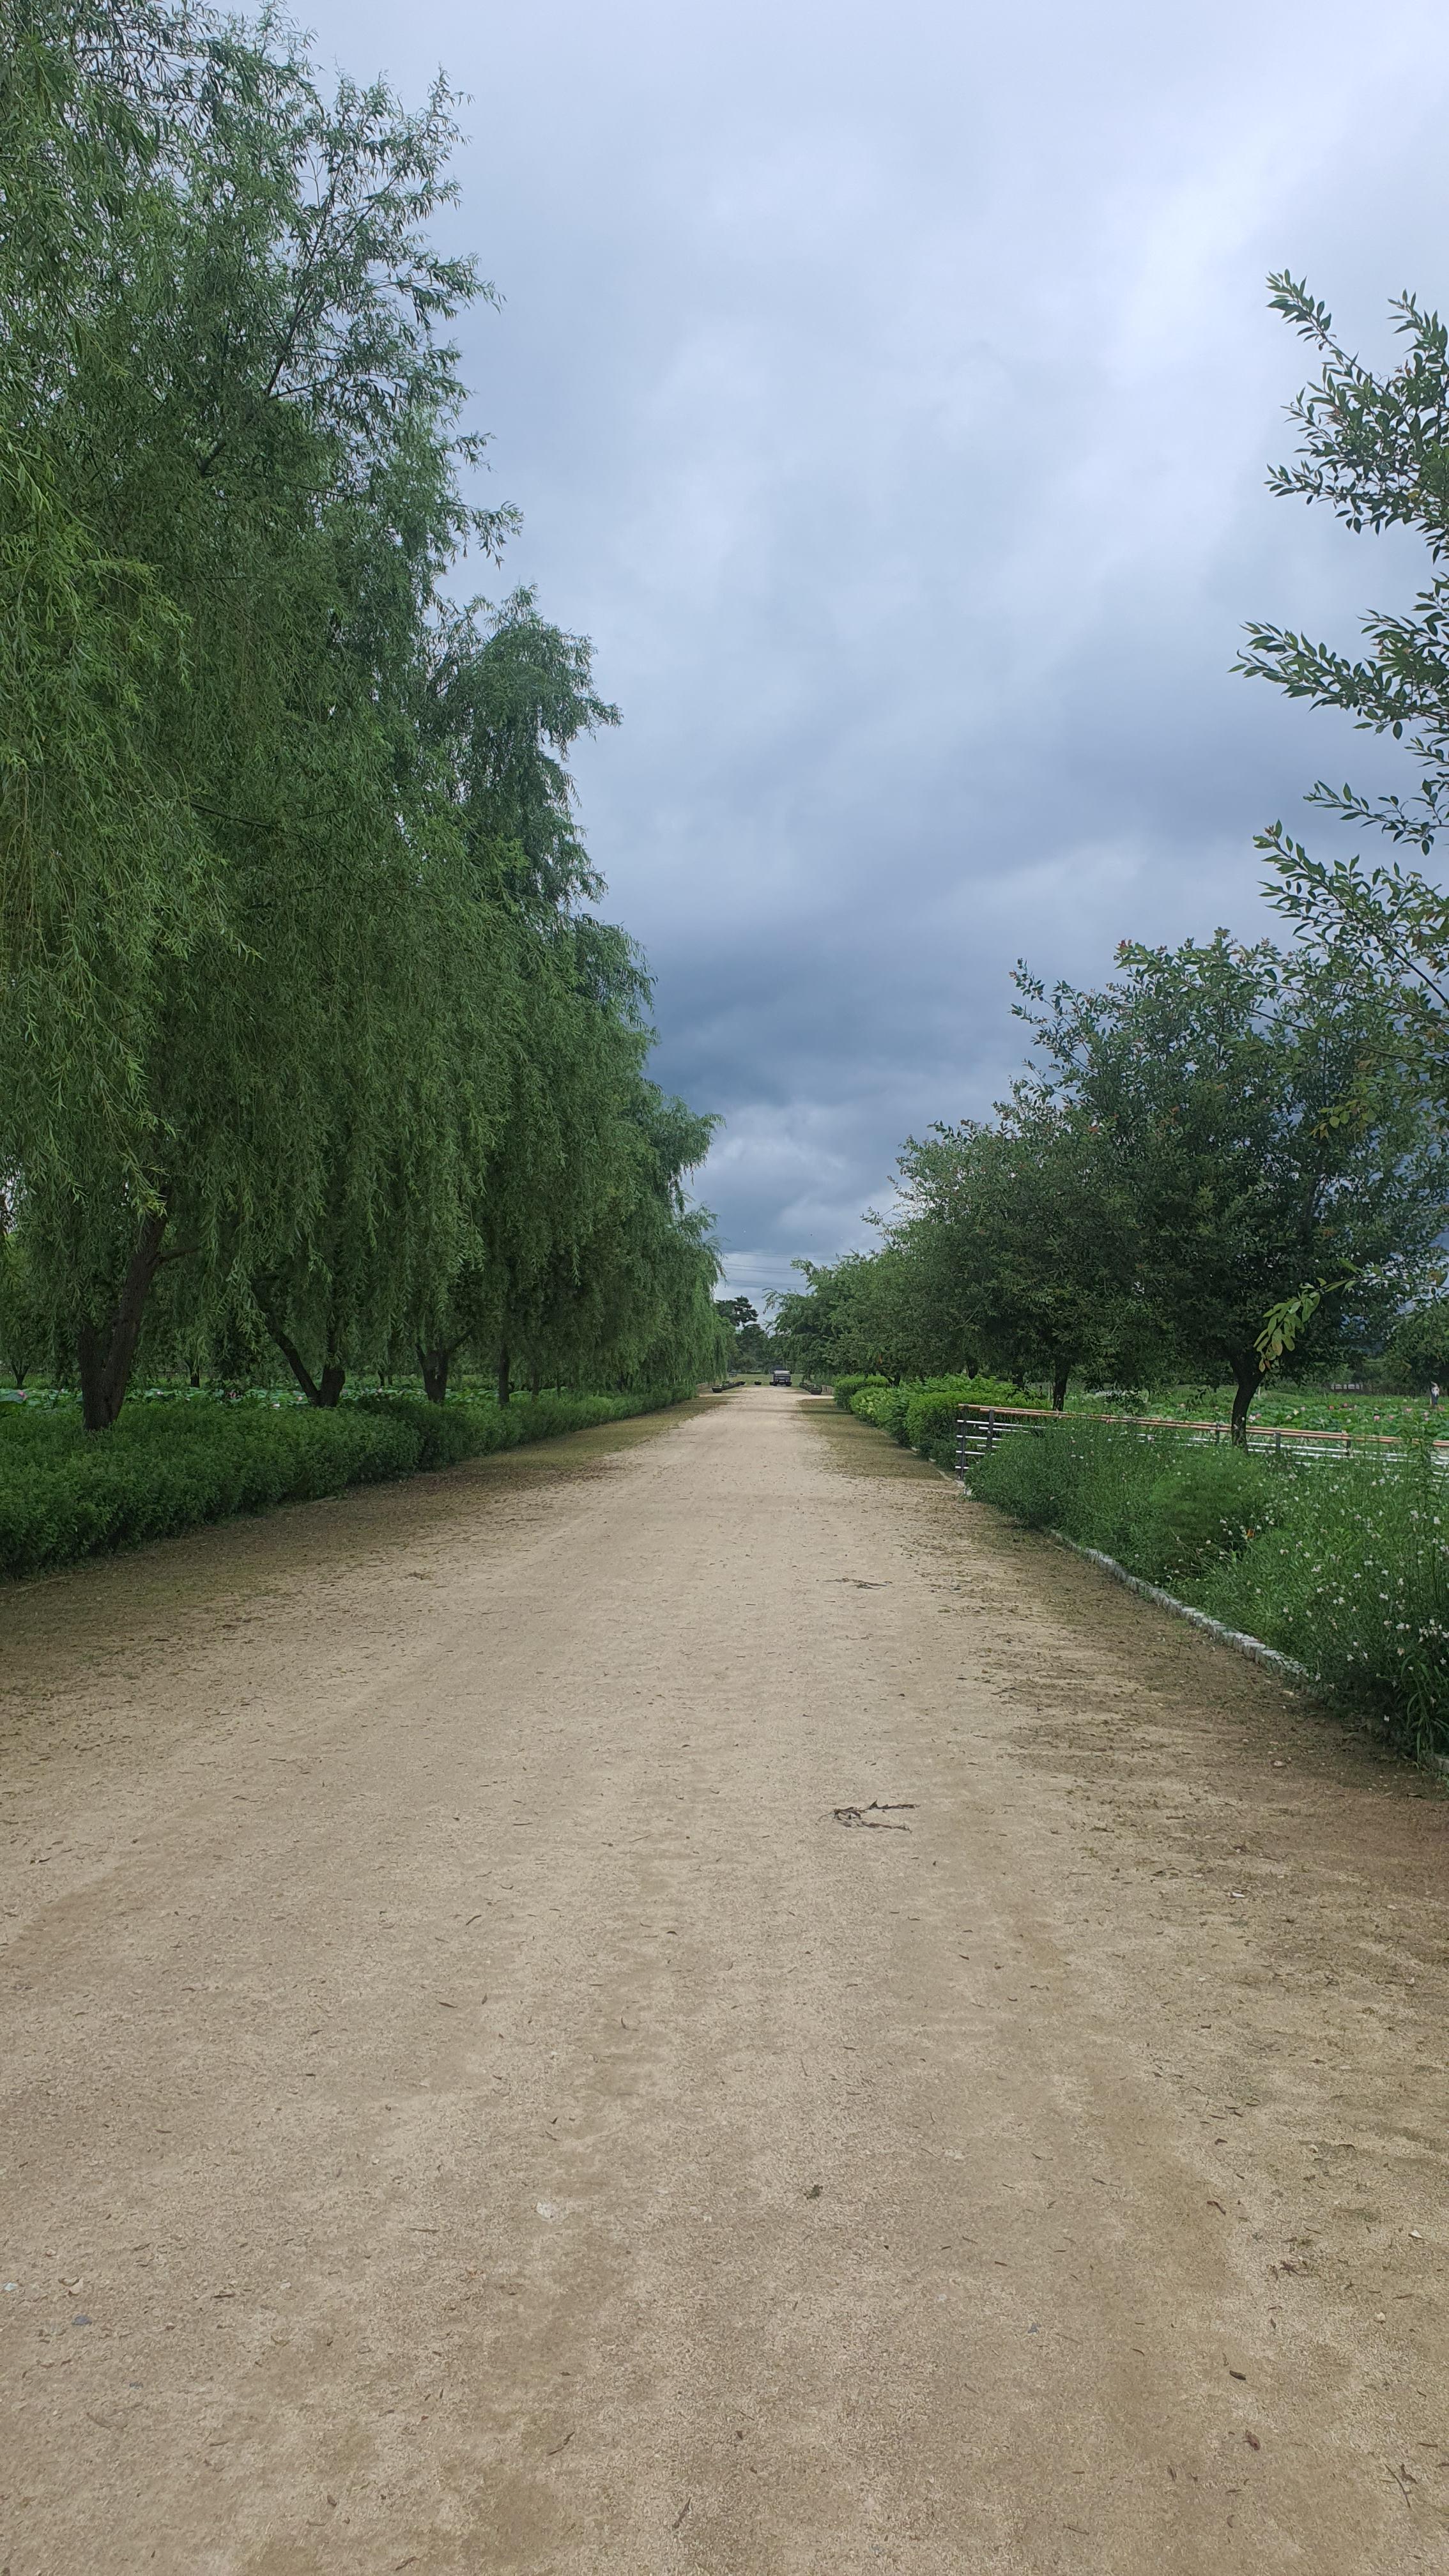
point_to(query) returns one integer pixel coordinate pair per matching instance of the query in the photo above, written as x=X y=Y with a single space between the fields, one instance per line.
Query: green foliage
x=1199 y=1137
x=1375 y=448
x=846 y=1388
x=1263 y=1134
x=1417 y=1351
x=749 y=1345
x=24 y=1322
x=857 y=1316
x=1163 y=1509
x=881 y=1402
x=63 y=1496
x=307 y=1034
x=245 y=400
x=1284 y=1405
x=167 y=1467
x=1019 y=1237
x=921 y=1414
x=1353 y=1582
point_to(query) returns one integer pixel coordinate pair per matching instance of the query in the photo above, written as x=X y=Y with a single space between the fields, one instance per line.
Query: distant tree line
x=312 y=1043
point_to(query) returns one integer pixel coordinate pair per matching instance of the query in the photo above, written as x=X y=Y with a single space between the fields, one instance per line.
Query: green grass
x=1282 y=1407
x=172 y=1465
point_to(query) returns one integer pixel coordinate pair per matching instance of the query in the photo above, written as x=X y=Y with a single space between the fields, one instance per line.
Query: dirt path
x=469 y=2105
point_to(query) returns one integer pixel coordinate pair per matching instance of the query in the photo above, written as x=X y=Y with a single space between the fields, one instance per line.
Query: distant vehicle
x=779 y=1377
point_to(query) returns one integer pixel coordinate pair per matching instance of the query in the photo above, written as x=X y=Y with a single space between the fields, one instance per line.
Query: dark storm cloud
x=889 y=396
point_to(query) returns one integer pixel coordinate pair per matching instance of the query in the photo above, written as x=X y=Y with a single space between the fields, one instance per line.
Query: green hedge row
x=920 y=1413
x=169 y=1467
x=1341 y=1563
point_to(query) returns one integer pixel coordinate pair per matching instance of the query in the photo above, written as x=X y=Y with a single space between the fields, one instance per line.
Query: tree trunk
x=1248 y=1377
x=1061 y=1371
x=504 y=1387
x=105 y=1351
x=434 y=1366
x=323 y=1392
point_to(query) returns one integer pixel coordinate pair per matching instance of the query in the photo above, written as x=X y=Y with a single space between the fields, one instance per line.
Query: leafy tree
x=737 y=1312
x=1416 y=1354
x=105 y=874
x=1023 y=1237
x=1009 y=1251
x=749 y=1342
x=637 y=1307
x=1263 y=1135
x=863 y=1313
x=507 y=696
x=1374 y=447
x=308 y=1033
x=24 y=1323
x=243 y=410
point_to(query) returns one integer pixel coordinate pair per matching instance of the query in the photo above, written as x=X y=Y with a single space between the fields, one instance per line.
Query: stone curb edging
x=1237 y=1638
x=1253 y=1647
x=1436 y=1763
x=1234 y=1637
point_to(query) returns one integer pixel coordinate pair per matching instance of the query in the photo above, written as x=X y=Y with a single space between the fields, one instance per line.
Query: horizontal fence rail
x=981 y=1427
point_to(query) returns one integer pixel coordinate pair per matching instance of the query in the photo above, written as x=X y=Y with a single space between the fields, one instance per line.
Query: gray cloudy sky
x=888 y=393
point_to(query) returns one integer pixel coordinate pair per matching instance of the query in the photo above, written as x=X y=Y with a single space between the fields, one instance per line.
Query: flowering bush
x=1354 y=1584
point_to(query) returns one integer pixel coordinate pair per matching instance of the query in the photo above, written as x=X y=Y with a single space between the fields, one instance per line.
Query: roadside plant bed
x=66 y=1494
x=920 y=1413
x=1344 y=1566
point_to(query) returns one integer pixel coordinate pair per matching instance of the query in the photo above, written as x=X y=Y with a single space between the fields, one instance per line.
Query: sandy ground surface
x=471 y=2103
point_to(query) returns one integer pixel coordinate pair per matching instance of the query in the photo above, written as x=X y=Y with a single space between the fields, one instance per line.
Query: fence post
x=991 y=1430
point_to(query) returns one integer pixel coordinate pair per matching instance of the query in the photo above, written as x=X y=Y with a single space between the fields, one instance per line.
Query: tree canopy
x=1373 y=446
x=309 y=1030
x=1194 y=1142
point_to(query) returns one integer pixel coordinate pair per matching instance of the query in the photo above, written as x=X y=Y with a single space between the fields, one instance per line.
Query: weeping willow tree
x=305 y=1014
x=107 y=879
x=637 y=1305
x=261 y=1009
x=539 y=1291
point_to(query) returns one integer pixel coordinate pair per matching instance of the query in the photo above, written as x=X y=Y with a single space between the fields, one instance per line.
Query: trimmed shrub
x=881 y=1403
x=920 y=1413
x=170 y=1466
x=845 y=1389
